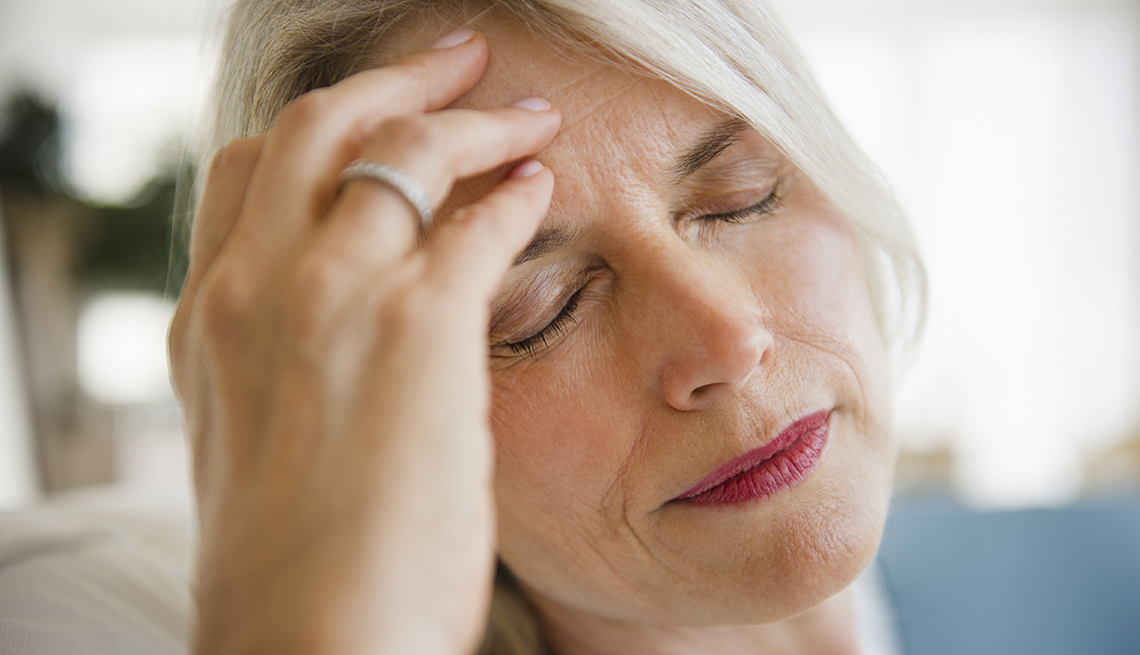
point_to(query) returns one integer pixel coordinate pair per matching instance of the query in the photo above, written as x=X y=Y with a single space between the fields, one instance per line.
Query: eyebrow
x=711 y=145
x=546 y=241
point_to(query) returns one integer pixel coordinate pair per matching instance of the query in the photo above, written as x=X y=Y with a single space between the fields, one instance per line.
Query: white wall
x=1008 y=126
x=1010 y=131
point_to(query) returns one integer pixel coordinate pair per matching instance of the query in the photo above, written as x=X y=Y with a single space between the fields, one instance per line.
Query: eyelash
x=766 y=207
x=530 y=346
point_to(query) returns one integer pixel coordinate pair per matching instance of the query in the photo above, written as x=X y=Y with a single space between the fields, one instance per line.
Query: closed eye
x=533 y=344
x=766 y=207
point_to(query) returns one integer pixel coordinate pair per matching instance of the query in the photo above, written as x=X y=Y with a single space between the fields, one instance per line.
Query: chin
x=745 y=566
x=744 y=563
x=820 y=552
x=780 y=564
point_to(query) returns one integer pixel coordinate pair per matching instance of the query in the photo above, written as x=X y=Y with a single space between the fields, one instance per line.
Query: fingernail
x=526 y=169
x=533 y=104
x=462 y=35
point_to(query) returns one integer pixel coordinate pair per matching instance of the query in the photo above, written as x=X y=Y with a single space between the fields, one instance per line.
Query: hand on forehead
x=619 y=128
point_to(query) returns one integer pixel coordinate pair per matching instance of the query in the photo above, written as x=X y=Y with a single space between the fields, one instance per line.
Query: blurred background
x=1010 y=128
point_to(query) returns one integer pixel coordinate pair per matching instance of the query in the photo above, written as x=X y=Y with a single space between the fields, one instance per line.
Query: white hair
x=731 y=54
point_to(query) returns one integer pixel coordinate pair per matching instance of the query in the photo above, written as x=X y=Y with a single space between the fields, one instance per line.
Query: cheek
x=570 y=432
x=814 y=285
x=814 y=290
x=814 y=293
x=562 y=438
x=545 y=420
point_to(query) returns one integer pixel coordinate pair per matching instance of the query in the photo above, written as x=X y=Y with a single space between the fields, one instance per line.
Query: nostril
x=701 y=397
x=765 y=354
x=704 y=391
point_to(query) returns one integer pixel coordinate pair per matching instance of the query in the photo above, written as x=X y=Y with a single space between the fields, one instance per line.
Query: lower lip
x=790 y=458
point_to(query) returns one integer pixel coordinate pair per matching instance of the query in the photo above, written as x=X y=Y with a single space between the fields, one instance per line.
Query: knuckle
x=176 y=345
x=305 y=109
x=226 y=300
x=234 y=155
x=409 y=133
x=176 y=333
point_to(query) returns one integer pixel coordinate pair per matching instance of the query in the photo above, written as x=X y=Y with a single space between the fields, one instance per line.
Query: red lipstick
x=759 y=473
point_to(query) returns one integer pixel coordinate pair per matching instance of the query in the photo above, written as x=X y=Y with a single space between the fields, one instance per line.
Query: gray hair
x=731 y=54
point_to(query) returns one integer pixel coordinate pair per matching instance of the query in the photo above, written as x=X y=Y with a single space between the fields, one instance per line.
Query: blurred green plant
x=136 y=245
x=31 y=144
x=139 y=245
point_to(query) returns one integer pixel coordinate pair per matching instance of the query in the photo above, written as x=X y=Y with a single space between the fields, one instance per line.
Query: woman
x=595 y=288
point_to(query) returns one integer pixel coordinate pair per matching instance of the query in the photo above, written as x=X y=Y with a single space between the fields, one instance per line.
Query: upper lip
x=754 y=458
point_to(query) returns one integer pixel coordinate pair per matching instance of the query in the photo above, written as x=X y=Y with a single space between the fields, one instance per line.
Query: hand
x=333 y=371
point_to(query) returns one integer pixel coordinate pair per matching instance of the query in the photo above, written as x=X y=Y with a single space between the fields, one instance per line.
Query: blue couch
x=1038 y=582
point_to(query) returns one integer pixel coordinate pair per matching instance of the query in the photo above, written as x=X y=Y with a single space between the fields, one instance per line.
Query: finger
x=439 y=148
x=218 y=209
x=472 y=251
x=222 y=199
x=372 y=222
x=318 y=133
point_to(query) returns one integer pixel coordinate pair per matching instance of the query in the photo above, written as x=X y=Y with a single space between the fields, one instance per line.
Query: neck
x=828 y=629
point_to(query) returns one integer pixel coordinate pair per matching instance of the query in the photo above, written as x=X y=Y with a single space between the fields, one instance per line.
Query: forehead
x=522 y=65
x=583 y=87
x=614 y=119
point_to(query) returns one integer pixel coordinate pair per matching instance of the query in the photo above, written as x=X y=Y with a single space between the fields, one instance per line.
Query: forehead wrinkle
x=594 y=71
x=596 y=103
x=611 y=121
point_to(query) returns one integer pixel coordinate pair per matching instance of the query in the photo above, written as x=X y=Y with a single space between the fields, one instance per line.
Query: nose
x=711 y=335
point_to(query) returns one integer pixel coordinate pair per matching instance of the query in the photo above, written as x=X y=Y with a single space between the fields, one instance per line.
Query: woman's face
x=690 y=298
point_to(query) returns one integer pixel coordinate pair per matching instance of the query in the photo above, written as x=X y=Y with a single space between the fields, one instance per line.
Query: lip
x=779 y=464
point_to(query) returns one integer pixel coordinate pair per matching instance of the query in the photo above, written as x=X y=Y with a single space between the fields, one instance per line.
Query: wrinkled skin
x=695 y=340
x=341 y=402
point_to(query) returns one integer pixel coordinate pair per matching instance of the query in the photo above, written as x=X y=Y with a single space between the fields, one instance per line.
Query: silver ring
x=408 y=186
